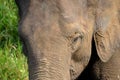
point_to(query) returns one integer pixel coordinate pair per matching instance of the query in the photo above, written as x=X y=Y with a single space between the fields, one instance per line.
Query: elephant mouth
x=73 y=73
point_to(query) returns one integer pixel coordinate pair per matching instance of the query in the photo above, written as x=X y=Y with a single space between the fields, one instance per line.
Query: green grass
x=13 y=64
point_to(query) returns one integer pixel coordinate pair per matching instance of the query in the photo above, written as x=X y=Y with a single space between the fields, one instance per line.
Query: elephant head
x=57 y=36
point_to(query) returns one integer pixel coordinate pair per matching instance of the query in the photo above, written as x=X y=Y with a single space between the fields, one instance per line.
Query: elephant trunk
x=48 y=68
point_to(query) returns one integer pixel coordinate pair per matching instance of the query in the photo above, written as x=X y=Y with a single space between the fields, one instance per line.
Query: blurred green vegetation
x=13 y=64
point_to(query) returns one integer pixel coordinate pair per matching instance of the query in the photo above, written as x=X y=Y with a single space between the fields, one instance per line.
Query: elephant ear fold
x=103 y=42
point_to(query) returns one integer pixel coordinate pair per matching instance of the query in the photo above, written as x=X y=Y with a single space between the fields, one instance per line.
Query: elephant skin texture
x=71 y=39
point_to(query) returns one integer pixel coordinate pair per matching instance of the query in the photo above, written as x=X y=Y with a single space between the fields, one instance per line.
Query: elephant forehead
x=79 y=25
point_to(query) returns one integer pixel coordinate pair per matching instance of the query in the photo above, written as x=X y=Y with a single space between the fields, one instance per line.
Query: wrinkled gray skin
x=57 y=37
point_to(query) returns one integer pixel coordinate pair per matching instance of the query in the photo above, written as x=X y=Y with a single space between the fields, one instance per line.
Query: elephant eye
x=77 y=37
x=77 y=41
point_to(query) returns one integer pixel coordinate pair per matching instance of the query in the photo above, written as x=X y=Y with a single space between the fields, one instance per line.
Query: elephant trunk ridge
x=40 y=70
x=45 y=70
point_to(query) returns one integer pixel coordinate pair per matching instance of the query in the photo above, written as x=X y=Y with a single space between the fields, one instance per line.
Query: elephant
x=58 y=37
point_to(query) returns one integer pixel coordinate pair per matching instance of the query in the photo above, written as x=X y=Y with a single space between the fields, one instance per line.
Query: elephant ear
x=102 y=43
x=106 y=36
x=107 y=40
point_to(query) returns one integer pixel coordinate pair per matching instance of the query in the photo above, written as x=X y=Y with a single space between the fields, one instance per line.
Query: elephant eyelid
x=75 y=37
